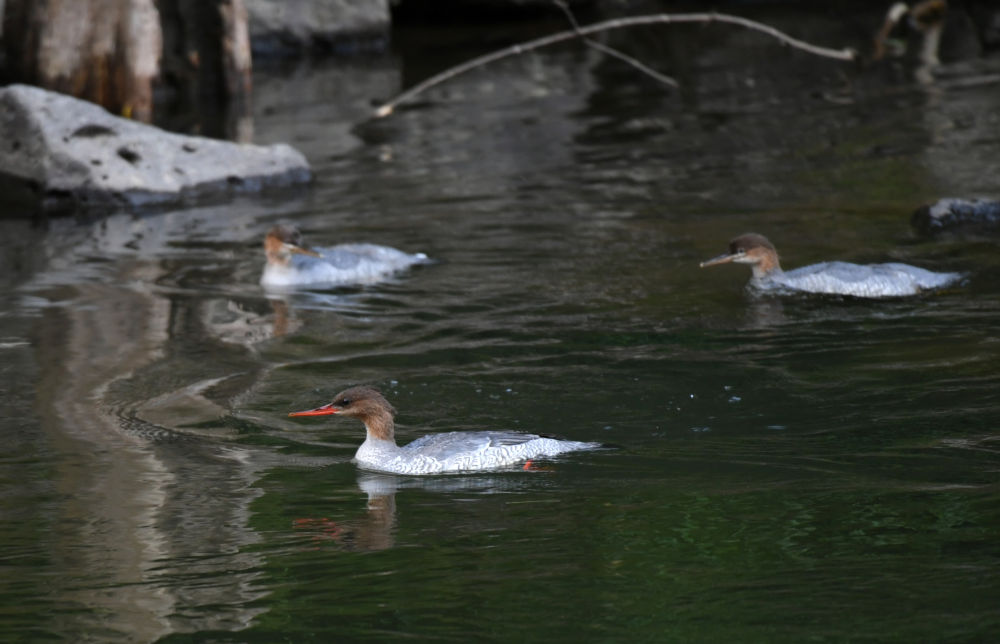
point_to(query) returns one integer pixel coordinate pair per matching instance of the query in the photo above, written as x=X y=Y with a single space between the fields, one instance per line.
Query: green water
x=779 y=469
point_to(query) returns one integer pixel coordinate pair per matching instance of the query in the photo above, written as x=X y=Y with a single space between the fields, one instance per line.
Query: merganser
x=842 y=278
x=291 y=264
x=436 y=453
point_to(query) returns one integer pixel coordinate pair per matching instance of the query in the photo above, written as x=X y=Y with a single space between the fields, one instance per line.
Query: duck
x=291 y=264
x=837 y=278
x=448 y=452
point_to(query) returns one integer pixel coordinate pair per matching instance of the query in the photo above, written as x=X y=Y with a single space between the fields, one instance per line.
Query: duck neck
x=380 y=428
x=767 y=266
x=380 y=442
x=278 y=258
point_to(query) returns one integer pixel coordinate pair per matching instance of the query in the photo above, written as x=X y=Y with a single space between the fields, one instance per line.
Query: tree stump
x=109 y=52
x=106 y=51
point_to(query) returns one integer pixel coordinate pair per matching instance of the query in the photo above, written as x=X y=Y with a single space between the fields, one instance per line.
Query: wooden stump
x=207 y=63
x=106 y=51
x=109 y=52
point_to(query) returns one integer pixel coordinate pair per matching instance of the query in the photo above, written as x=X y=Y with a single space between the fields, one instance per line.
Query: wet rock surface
x=58 y=152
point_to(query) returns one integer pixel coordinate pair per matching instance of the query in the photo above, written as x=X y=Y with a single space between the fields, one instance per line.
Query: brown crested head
x=749 y=248
x=282 y=241
x=286 y=234
x=364 y=403
x=749 y=241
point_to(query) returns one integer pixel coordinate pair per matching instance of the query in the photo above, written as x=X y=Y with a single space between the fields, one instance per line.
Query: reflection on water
x=112 y=490
x=787 y=467
x=238 y=323
x=375 y=528
x=155 y=507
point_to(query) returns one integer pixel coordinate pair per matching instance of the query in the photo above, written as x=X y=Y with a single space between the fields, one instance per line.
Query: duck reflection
x=240 y=322
x=376 y=528
x=765 y=312
x=372 y=531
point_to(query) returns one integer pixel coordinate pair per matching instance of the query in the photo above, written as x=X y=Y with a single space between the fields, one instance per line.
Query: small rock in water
x=965 y=215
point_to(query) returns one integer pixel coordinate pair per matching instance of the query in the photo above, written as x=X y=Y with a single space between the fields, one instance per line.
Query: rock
x=59 y=152
x=291 y=26
x=966 y=215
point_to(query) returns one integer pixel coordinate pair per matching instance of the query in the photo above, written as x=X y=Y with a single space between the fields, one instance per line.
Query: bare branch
x=610 y=51
x=618 y=23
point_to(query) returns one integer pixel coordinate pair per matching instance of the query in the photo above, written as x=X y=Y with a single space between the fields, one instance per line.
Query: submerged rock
x=967 y=215
x=58 y=152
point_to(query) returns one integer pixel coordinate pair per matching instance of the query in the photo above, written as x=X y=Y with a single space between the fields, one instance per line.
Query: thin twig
x=618 y=23
x=610 y=51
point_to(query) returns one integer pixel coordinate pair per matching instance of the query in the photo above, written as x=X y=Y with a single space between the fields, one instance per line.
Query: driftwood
x=583 y=31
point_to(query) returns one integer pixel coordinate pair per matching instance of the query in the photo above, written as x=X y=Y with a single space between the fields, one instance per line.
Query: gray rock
x=59 y=152
x=966 y=215
x=289 y=26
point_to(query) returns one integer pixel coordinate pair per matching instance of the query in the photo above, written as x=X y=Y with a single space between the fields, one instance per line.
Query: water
x=782 y=468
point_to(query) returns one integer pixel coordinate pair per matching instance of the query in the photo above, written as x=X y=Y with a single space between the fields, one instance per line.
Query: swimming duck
x=436 y=453
x=842 y=278
x=291 y=264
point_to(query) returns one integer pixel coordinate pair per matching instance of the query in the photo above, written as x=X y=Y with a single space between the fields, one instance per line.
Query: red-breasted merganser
x=290 y=264
x=842 y=278
x=436 y=453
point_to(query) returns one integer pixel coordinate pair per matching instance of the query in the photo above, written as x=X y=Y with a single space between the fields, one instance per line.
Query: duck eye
x=344 y=403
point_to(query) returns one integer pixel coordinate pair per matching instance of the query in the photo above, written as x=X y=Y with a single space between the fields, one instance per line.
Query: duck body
x=870 y=280
x=290 y=264
x=831 y=278
x=461 y=452
x=448 y=452
x=339 y=265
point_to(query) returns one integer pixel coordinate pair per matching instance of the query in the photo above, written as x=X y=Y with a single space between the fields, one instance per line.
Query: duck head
x=752 y=249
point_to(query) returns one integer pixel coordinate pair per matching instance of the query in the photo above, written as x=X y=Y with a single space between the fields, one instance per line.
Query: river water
x=779 y=468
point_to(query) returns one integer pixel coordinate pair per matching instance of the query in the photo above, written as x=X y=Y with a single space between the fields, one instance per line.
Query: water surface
x=782 y=469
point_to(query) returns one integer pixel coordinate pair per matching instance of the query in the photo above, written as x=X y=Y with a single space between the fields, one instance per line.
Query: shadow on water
x=789 y=467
